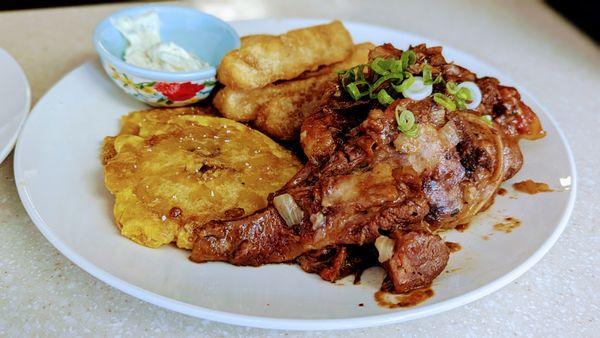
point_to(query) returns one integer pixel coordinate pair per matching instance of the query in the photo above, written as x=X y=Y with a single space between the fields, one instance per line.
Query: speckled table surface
x=42 y=293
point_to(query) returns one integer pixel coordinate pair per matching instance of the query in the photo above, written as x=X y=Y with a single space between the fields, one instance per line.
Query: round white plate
x=15 y=98
x=60 y=181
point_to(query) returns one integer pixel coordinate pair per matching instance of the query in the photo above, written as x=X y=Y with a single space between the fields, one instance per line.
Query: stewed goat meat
x=366 y=179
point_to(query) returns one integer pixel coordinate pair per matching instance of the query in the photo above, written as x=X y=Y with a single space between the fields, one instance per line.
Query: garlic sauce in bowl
x=146 y=49
x=164 y=55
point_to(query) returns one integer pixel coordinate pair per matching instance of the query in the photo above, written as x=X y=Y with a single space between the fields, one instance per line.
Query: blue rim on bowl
x=106 y=24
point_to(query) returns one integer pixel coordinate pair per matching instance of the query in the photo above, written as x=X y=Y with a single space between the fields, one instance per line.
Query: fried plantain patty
x=172 y=170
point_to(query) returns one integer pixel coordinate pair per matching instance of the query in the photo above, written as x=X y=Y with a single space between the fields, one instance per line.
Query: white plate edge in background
x=8 y=146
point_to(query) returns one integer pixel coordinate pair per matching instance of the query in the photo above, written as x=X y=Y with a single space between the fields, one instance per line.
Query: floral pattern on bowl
x=161 y=94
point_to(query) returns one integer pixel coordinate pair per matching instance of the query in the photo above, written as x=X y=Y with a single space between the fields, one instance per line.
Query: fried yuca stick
x=279 y=109
x=256 y=38
x=283 y=57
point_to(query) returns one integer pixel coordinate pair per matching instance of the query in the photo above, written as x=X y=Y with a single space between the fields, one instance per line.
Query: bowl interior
x=204 y=35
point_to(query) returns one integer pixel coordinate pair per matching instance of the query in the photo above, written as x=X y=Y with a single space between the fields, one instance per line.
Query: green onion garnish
x=406 y=122
x=396 y=66
x=383 y=66
x=438 y=79
x=381 y=80
x=384 y=98
x=444 y=101
x=360 y=74
x=381 y=74
x=408 y=58
x=379 y=66
x=487 y=119
x=414 y=131
x=427 y=80
x=405 y=84
x=355 y=92
x=464 y=94
x=452 y=87
x=459 y=96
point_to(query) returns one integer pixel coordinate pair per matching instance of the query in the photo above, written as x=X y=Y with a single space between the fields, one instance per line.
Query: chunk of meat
x=365 y=179
x=418 y=258
x=333 y=263
x=260 y=238
x=455 y=73
x=320 y=134
x=514 y=117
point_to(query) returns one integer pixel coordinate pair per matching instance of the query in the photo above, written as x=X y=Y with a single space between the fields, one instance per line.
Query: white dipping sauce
x=146 y=49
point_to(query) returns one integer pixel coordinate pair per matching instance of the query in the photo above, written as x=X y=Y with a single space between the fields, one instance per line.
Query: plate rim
x=5 y=151
x=306 y=324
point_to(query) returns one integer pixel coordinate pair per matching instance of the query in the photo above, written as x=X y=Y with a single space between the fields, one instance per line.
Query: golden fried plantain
x=172 y=170
x=265 y=59
x=279 y=109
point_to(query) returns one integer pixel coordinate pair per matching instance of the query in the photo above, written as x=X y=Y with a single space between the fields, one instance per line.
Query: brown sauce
x=531 y=187
x=502 y=191
x=452 y=270
x=357 y=276
x=508 y=226
x=462 y=227
x=393 y=301
x=454 y=247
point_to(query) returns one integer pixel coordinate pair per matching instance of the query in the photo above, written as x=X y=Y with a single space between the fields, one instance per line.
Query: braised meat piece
x=358 y=190
x=257 y=239
x=366 y=180
x=335 y=262
x=418 y=258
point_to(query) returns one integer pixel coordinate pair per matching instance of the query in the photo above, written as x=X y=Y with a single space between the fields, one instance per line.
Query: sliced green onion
x=344 y=76
x=405 y=84
x=444 y=101
x=427 y=77
x=464 y=93
x=355 y=73
x=414 y=131
x=427 y=80
x=451 y=87
x=384 y=98
x=381 y=80
x=408 y=58
x=379 y=66
x=395 y=66
x=461 y=104
x=487 y=119
x=355 y=92
x=404 y=119
x=406 y=122
x=360 y=72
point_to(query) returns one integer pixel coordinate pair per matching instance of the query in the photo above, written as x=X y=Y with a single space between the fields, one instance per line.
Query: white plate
x=15 y=99
x=59 y=178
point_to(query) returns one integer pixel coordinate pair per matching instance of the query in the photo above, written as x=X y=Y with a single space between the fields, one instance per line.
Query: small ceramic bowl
x=204 y=35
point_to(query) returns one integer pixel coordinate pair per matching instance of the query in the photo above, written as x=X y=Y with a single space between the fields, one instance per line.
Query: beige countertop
x=42 y=293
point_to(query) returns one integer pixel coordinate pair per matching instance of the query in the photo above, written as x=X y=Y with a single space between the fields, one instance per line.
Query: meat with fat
x=418 y=258
x=365 y=179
